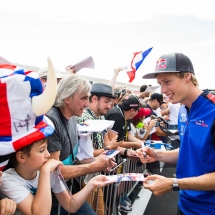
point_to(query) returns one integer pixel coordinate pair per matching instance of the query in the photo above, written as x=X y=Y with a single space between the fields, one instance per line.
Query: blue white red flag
x=136 y=62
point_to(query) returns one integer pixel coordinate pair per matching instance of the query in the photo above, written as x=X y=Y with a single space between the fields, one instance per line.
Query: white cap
x=43 y=72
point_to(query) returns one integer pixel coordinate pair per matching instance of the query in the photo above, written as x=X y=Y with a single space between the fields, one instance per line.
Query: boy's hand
x=51 y=165
x=7 y=207
x=100 y=181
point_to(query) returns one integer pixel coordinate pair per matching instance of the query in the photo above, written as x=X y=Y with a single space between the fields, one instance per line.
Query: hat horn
x=42 y=103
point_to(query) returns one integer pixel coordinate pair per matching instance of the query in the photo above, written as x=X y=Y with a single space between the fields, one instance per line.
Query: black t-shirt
x=120 y=126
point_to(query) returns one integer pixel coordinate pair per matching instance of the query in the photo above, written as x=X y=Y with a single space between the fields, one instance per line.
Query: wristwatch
x=175 y=186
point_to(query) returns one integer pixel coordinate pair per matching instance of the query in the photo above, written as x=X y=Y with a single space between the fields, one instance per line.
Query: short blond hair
x=193 y=78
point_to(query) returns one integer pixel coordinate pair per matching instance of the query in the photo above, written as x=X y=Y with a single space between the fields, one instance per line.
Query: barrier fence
x=113 y=193
x=110 y=196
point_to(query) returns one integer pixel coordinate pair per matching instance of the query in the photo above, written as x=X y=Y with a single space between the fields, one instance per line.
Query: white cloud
x=204 y=43
x=112 y=11
x=68 y=31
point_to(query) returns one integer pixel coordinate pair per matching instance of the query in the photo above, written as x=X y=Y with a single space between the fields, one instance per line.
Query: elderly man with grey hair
x=71 y=100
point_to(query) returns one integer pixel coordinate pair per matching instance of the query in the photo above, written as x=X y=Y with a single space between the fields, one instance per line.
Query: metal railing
x=114 y=192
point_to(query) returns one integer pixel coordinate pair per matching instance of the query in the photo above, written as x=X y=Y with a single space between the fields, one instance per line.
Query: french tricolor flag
x=136 y=61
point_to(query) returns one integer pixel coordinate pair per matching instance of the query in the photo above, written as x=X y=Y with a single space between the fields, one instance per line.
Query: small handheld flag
x=136 y=62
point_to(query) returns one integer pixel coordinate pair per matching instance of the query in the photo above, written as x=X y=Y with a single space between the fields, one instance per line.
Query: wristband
x=125 y=152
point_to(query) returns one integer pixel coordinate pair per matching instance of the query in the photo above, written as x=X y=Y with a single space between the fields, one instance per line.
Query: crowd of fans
x=48 y=142
x=76 y=101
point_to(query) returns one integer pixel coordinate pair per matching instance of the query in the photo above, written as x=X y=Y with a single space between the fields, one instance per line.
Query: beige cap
x=43 y=72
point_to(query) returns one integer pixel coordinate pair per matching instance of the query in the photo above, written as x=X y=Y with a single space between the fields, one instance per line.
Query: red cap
x=143 y=112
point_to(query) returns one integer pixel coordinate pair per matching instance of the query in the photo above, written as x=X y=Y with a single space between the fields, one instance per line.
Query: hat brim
x=42 y=130
x=103 y=94
x=152 y=75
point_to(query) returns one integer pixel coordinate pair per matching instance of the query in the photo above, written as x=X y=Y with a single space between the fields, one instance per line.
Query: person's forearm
x=80 y=198
x=43 y=194
x=203 y=182
x=112 y=81
x=97 y=152
x=159 y=132
x=168 y=156
x=74 y=171
x=135 y=145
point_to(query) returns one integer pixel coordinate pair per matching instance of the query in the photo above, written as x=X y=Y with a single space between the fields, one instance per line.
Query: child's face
x=39 y=155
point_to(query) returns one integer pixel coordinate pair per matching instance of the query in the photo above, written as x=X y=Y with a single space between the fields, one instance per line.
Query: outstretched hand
x=100 y=181
x=150 y=157
x=114 y=143
x=132 y=155
x=117 y=70
x=158 y=184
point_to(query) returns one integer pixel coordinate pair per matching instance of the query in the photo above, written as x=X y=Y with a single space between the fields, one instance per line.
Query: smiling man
x=196 y=124
x=72 y=98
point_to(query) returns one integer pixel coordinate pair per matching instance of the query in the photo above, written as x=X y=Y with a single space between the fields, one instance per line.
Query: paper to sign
x=3 y=61
x=126 y=177
x=85 y=63
x=111 y=153
x=151 y=89
x=95 y=125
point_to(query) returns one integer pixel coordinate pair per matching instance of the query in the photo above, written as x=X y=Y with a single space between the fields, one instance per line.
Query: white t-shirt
x=173 y=116
x=158 y=112
x=17 y=188
x=133 y=130
x=140 y=132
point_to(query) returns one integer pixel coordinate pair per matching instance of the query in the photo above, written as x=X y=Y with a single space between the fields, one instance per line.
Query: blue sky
x=110 y=31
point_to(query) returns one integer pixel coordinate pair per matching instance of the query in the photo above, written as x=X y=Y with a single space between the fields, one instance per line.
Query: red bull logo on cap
x=161 y=63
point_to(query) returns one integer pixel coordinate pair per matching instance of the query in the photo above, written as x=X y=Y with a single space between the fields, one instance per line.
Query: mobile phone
x=123 y=161
x=120 y=139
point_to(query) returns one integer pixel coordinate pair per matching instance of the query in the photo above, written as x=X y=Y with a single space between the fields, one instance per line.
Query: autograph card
x=127 y=177
x=111 y=153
